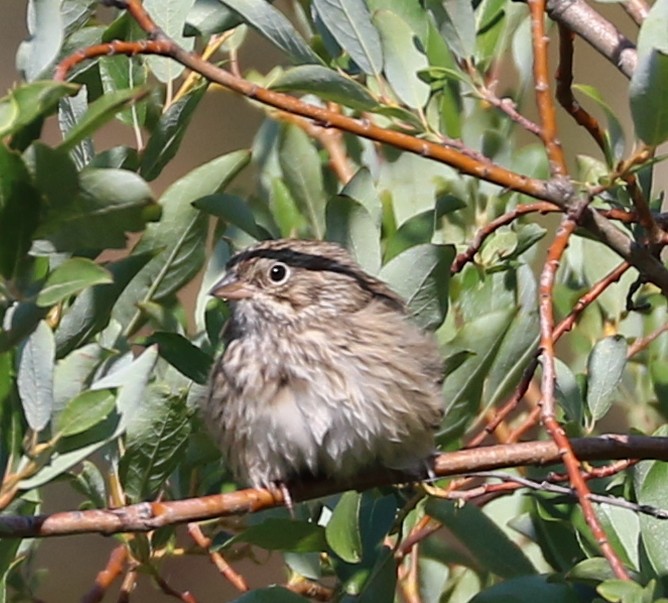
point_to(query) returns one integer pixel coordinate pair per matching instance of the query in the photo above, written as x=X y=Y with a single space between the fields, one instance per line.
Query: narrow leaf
x=85 y=411
x=605 y=367
x=99 y=113
x=403 y=60
x=349 y=22
x=482 y=537
x=182 y=355
x=343 y=529
x=35 y=376
x=421 y=276
x=70 y=277
x=327 y=85
x=276 y=534
x=273 y=25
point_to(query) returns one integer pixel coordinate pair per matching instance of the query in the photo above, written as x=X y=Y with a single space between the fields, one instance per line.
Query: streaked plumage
x=323 y=372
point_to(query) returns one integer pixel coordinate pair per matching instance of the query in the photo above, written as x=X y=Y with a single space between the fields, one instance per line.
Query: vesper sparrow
x=323 y=374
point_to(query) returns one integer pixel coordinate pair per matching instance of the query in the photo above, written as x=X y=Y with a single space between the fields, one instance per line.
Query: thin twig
x=565 y=90
x=636 y=9
x=544 y=102
x=104 y=579
x=547 y=403
x=232 y=576
x=600 y=499
x=642 y=342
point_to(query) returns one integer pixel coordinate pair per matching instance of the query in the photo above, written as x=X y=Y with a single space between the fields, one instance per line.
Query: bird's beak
x=231 y=288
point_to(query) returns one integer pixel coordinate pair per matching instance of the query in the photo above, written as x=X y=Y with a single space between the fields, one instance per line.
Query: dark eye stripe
x=308 y=261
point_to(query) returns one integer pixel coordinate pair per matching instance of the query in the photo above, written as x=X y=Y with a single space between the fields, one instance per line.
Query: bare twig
x=545 y=486
x=547 y=404
x=232 y=576
x=565 y=90
x=544 y=101
x=112 y=571
x=636 y=9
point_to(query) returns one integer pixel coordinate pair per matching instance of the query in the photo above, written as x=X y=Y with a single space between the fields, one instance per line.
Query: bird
x=324 y=374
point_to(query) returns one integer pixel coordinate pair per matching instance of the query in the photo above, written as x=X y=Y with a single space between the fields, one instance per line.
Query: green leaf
x=182 y=355
x=654 y=531
x=649 y=82
x=74 y=372
x=168 y=133
x=70 y=277
x=273 y=25
x=459 y=28
x=605 y=367
x=72 y=451
x=648 y=89
x=362 y=189
x=479 y=339
x=29 y=102
x=350 y=224
x=231 y=209
x=85 y=411
x=45 y=25
x=568 y=392
x=349 y=22
x=381 y=584
x=178 y=239
x=403 y=60
x=19 y=211
x=484 y=540
x=542 y=588
x=302 y=171
x=119 y=72
x=343 y=528
x=35 y=376
x=111 y=203
x=326 y=84
x=132 y=377
x=90 y=482
x=156 y=438
x=421 y=275
x=208 y=17
x=621 y=591
x=91 y=311
x=614 y=136
x=170 y=16
x=277 y=534
x=100 y=112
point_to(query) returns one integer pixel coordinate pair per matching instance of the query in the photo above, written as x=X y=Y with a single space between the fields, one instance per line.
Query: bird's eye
x=278 y=273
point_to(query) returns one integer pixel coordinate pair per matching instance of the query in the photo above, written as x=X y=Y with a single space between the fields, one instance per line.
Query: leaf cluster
x=102 y=364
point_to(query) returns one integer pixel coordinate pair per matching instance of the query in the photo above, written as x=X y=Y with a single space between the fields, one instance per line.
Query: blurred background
x=225 y=122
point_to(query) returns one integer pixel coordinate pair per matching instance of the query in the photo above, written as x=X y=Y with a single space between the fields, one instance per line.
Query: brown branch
x=558 y=190
x=148 y=516
x=548 y=416
x=160 y=44
x=642 y=342
x=565 y=325
x=113 y=570
x=565 y=91
x=649 y=266
x=232 y=576
x=544 y=102
x=636 y=9
x=482 y=233
x=598 y=32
